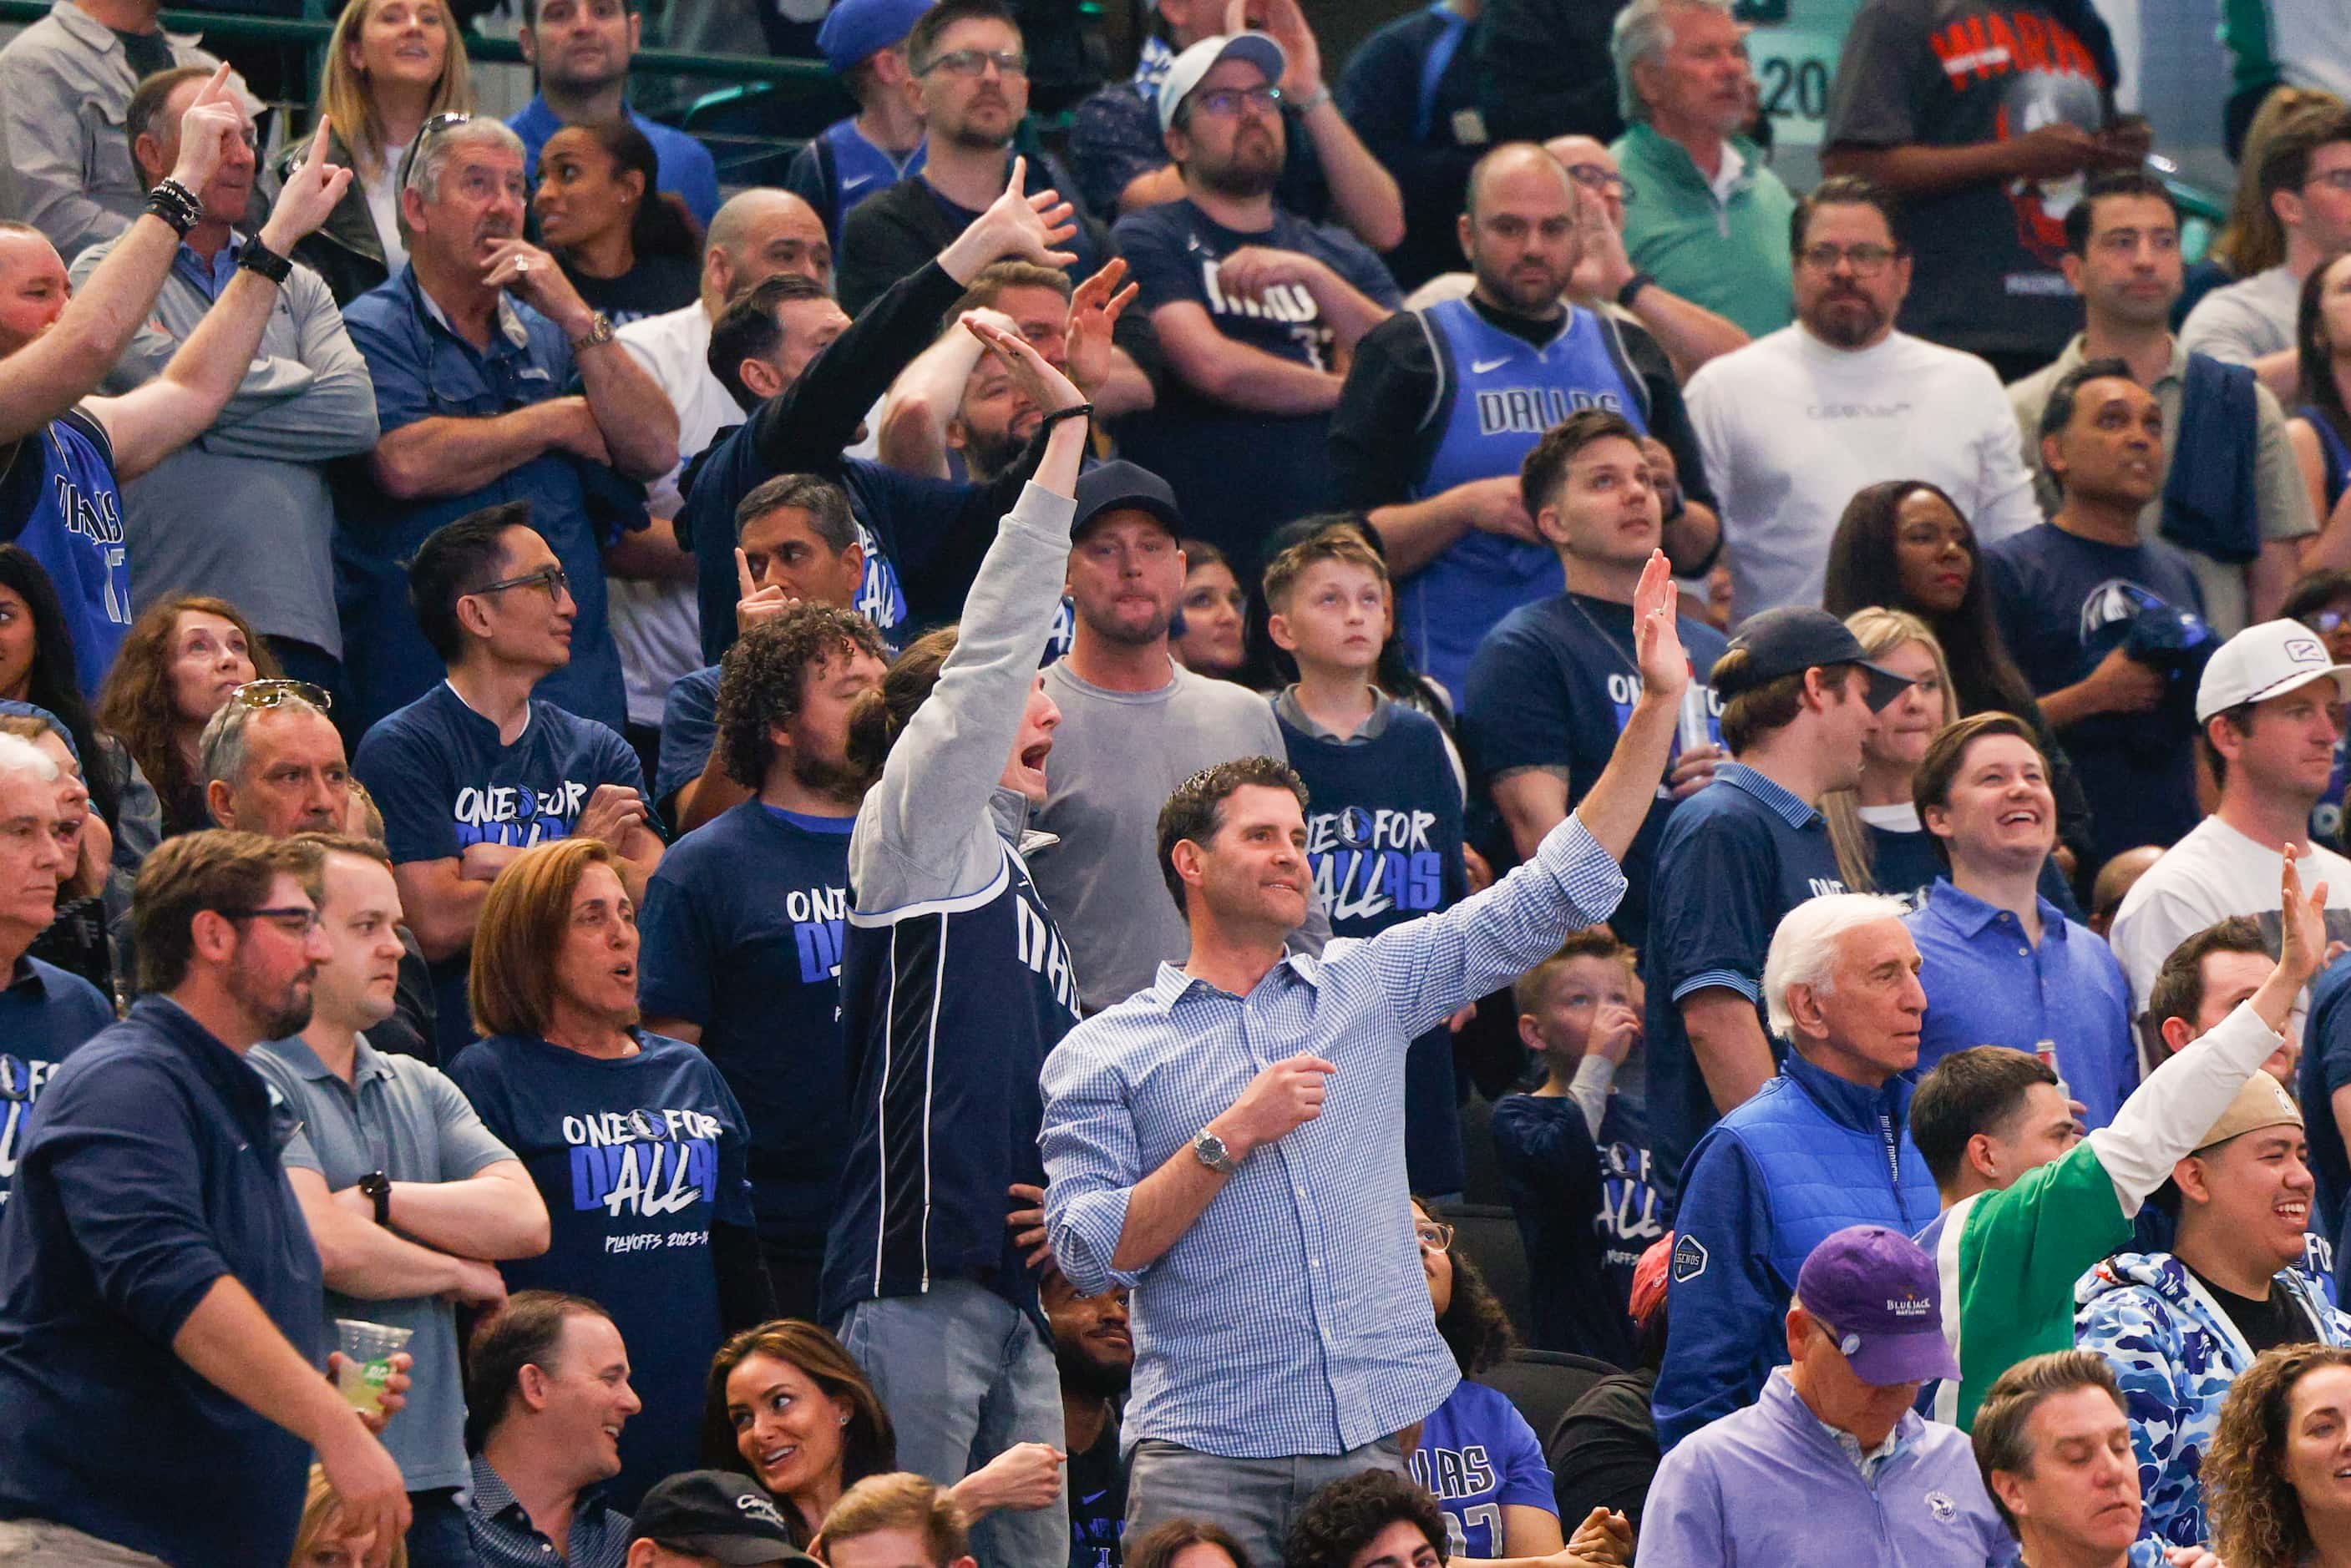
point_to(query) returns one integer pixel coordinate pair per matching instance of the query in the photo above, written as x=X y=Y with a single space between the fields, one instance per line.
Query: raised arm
x=65 y=364
x=150 y=423
x=630 y=410
x=1364 y=195
x=923 y=400
x=1620 y=798
x=924 y=829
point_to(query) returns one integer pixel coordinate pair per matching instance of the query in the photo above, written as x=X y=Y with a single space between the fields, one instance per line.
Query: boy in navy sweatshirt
x=1384 y=822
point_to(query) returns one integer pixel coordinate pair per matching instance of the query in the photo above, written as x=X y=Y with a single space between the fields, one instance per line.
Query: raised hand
x=2302 y=945
x=1049 y=389
x=753 y=604
x=1664 y=663
x=308 y=197
x=214 y=118
x=1285 y=24
x=531 y=276
x=1094 y=309
x=1028 y=226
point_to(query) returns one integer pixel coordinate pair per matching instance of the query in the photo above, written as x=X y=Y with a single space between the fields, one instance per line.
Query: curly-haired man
x=742 y=928
x=1375 y=1520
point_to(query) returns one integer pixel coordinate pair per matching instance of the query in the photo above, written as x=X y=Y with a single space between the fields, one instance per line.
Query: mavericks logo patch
x=1689 y=1259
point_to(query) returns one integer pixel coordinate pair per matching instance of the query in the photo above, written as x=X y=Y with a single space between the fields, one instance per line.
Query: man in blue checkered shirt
x=1228 y=1144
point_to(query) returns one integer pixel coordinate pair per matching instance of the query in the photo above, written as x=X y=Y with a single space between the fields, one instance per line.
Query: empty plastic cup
x=368 y=1349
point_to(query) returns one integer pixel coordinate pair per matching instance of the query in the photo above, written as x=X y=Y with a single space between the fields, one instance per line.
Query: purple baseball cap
x=1876 y=1293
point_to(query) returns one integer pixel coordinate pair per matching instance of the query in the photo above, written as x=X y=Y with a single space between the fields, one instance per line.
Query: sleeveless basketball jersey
x=860 y=170
x=948 y=1010
x=1496 y=395
x=70 y=516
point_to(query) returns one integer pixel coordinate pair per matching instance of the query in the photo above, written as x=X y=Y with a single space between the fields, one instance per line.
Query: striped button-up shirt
x=1292 y=1318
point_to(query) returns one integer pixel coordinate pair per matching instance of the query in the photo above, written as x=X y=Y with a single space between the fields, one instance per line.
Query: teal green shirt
x=1730 y=256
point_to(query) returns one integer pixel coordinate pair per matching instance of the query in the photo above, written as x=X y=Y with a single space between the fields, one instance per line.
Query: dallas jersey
x=58 y=499
x=1496 y=396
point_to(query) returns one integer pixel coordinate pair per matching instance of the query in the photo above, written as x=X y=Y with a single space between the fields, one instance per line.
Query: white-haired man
x=1819 y=1147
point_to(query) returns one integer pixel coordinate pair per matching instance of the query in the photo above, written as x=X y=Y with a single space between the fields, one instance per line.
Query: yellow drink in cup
x=368 y=1349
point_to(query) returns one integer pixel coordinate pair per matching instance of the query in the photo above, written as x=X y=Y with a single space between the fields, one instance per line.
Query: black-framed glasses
x=294 y=920
x=1434 y=1235
x=1227 y=103
x=1601 y=180
x=1866 y=260
x=438 y=125
x=554 y=579
x=975 y=62
x=273 y=692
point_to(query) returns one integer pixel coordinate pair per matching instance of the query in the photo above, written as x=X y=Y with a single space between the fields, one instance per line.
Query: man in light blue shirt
x=582 y=49
x=1279 y=1342
x=2001 y=965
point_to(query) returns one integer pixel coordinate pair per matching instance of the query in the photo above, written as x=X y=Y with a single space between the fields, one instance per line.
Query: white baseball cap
x=2264 y=661
x=1202 y=58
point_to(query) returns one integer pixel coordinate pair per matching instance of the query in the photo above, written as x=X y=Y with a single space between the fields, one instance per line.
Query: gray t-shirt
x=1117 y=756
x=413 y=1124
x=2245 y=321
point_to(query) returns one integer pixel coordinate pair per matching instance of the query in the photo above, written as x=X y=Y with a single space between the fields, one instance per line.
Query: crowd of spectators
x=1344 y=817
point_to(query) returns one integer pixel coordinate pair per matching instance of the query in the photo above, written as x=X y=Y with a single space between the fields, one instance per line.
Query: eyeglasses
x=1601 y=180
x=436 y=126
x=2326 y=621
x=274 y=692
x=975 y=62
x=1867 y=261
x=1433 y=1236
x=1226 y=103
x=554 y=579
x=292 y=918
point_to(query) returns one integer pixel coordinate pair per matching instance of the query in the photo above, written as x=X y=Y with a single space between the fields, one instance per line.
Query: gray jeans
x=1255 y=1499
x=37 y=1544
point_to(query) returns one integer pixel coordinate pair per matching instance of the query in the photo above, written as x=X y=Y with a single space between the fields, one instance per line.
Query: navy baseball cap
x=1793 y=638
x=1123 y=486
x=716 y=1515
x=1875 y=1294
x=854 y=30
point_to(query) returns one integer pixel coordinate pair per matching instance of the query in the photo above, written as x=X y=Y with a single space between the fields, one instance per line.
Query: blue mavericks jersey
x=1497 y=394
x=68 y=513
x=948 y=1010
x=860 y=170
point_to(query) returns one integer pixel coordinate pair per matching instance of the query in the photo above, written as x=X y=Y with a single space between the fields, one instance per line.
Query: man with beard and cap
x=742 y=921
x=1255 y=307
x=1135 y=724
x=1096 y=1353
x=471 y=349
x=1442 y=404
x=1795 y=422
x=156 y=1274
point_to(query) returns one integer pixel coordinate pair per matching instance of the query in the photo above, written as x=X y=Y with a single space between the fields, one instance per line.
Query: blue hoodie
x=1811 y=1154
x=2174 y=1353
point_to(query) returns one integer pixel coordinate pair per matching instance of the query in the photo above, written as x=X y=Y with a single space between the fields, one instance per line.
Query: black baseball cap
x=716 y=1515
x=1793 y=639
x=1123 y=486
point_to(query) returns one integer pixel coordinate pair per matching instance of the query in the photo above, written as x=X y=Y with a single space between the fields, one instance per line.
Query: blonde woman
x=325 y=1539
x=1880 y=845
x=392 y=65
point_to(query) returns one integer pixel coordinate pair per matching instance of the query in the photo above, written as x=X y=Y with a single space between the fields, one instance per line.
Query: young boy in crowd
x=1574 y=1153
x=1383 y=818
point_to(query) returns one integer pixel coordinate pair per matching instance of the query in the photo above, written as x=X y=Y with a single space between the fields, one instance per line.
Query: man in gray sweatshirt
x=954 y=984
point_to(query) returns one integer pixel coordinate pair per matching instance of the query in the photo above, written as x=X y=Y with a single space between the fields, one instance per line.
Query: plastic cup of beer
x=368 y=1349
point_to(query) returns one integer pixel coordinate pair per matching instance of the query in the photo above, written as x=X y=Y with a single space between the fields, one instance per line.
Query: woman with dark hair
x=2321 y=428
x=177 y=666
x=789 y=1406
x=1185 y=1543
x=2274 y=1478
x=1903 y=545
x=628 y=249
x=1216 y=615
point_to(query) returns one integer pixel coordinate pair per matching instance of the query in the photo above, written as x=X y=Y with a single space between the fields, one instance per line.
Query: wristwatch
x=599 y=333
x=377 y=1187
x=1210 y=1150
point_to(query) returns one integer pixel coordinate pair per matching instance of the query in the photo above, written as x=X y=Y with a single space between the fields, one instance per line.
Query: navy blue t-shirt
x=1240 y=475
x=689 y=729
x=443 y=782
x=45 y=1012
x=2326 y=1067
x=1550 y=688
x=637 y=1156
x=1383 y=836
x=742 y=936
x=2063 y=602
x=1736 y=856
x=1586 y=1211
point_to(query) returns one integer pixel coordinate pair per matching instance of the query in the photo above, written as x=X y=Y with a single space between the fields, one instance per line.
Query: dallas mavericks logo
x=1531 y=410
x=1368 y=862
x=94 y=515
x=644 y=1163
x=1355 y=827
